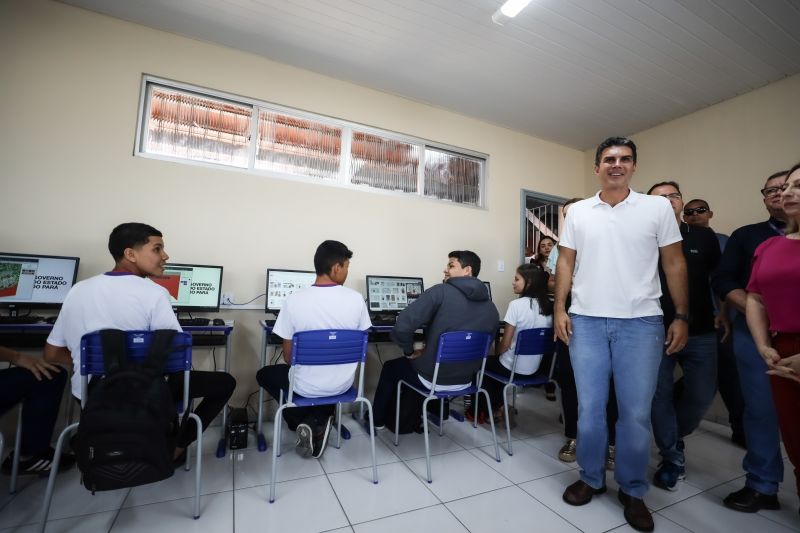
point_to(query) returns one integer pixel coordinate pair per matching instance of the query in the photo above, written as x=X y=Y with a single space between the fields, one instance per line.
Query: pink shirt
x=776 y=277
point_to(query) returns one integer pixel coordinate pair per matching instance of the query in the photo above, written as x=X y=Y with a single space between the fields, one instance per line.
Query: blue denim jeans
x=677 y=411
x=762 y=462
x=631 y=351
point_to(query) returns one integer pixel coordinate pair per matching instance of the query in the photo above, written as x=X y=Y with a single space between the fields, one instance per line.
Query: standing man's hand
x=677 y=336
x=563 y=326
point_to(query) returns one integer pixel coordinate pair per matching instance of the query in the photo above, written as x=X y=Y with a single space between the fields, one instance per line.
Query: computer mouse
x=219 y=322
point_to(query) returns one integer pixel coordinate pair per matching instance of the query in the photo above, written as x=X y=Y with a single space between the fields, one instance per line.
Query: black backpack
x=126 y=435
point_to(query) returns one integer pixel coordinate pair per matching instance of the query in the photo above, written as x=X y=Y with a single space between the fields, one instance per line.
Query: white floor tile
x=69 y=499
x=604 y=512
x=467 y=436
x=252 y=468
x=290 y=511
x=217 y=476
x=527 y=463
x=550 y=444
x=216 y=514
x=412 y=445
x=355 y=453
x=95 y=523
x=509 y=509
x=436 y=518
x=398 y=491
x=663 y=525
x=457 y=475
x=657 y=498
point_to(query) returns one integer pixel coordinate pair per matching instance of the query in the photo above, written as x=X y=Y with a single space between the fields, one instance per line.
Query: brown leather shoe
x=636 y=513
x=580 y=493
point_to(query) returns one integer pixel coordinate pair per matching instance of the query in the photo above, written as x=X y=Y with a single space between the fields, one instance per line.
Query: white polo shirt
x=322 y=307
x=616 y=268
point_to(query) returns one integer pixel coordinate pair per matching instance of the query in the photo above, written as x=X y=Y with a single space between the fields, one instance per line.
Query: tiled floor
x=470 y=490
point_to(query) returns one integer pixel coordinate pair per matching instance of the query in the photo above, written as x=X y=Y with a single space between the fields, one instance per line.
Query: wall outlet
x=227 y=298
x=501 y=265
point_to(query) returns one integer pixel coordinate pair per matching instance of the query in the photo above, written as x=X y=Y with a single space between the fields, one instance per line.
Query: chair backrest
x=534 y=341
x=462 y=346
x=329 y=347
x=137 y=344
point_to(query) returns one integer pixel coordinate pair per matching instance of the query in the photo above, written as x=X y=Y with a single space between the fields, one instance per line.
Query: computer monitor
x=281 y=283
x=392 y=293
x=32 y=280
x=488 y=288
x=192 y=287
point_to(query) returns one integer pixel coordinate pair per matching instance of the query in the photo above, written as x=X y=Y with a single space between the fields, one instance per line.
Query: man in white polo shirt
x=611 y=245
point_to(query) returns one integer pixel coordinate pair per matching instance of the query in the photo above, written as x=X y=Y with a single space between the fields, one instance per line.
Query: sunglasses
x=695 y=211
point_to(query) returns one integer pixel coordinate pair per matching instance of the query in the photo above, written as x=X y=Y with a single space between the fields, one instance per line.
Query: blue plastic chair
x=529 y=342
x=454 y=347
x=325 y=347
x=93 y=364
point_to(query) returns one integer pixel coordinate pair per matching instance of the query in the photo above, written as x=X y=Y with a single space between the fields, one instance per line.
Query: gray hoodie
x=459 y=304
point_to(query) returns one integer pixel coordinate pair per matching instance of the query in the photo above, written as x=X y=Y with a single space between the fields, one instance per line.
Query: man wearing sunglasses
x=762 y=462
x=698 y=212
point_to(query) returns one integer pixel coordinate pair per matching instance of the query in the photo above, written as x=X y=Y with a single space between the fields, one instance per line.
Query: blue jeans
x=631 y=351
x=677 y=411
x=762 y=462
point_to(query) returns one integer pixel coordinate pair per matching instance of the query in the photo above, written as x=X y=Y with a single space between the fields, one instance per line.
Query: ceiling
x=569 y=71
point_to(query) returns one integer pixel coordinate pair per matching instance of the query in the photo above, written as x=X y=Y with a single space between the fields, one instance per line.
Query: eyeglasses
x=672 y=196
x=770 y=191
x=695 y=211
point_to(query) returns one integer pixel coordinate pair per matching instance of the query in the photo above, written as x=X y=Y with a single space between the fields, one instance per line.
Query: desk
x=35 y=336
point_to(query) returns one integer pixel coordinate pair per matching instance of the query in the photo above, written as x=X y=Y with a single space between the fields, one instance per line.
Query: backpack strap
x=115 y=353
x=160 y=348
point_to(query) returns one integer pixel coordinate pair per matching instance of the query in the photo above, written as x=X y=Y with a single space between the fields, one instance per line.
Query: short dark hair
x=328 y=254
x=778 y=175
x=614 y=141
x=129 y=235
x=467 y=259
x=662 y=183
x=699 y=201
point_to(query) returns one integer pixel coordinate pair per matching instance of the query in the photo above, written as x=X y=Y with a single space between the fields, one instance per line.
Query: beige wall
x=70 y=89
x=723 y=153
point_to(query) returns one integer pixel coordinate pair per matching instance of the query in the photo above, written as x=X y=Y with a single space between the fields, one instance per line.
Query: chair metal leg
x=476 y=402
x=508 y=419
x=441 y=416
x=198 y=464
x=17 y=452
x=397 y=415
x=276 y=435
x=491 y=419
x=427 y=443
x=514 y=400
x=362 y=401
x=51 y=480
x=338 y=426
x=199 y=450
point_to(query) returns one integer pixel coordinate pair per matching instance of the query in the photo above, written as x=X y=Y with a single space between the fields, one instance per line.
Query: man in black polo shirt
x=762 y=462
x=677 y=412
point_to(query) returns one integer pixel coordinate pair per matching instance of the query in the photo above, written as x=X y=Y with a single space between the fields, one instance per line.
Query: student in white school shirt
x=327 y=304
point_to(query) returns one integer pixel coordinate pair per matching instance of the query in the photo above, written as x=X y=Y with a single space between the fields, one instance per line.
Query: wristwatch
x=681 y=316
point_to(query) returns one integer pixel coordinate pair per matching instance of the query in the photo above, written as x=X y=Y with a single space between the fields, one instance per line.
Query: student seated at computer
x=327 y=304
x=461 y=302
x=125 y=299
x=39 y=386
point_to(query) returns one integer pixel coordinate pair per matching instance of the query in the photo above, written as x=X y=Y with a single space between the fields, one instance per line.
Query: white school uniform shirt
x=524 y=313
x=616 y=268
x=322 y=307
x=114 y=300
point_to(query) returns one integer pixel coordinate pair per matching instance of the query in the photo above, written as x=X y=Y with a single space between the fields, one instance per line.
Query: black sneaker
x=39 y=464
x=321 y=437
x=304 y=445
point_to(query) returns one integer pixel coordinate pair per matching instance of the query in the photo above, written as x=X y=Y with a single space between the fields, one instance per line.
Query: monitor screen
x=392 y=293
x=282 y=283
x=30 y=280
x=192 y=287
x=488 y=288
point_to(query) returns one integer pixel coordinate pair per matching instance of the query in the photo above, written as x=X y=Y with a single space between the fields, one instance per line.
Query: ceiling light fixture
x=508 y=11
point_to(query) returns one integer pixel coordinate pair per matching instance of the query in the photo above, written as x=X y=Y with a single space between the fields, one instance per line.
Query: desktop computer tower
x=237 y=428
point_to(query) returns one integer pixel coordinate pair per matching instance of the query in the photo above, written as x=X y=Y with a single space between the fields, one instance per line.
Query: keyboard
x=28 y=319
x=194 y=321
x=384 y=320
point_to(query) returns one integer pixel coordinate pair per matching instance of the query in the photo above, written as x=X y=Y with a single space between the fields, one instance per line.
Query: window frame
x=343 y=179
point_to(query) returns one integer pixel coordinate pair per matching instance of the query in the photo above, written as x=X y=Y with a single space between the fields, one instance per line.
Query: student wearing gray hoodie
x=460 y=303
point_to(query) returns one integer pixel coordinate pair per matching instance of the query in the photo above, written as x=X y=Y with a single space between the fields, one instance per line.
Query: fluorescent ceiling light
x=508 y=11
